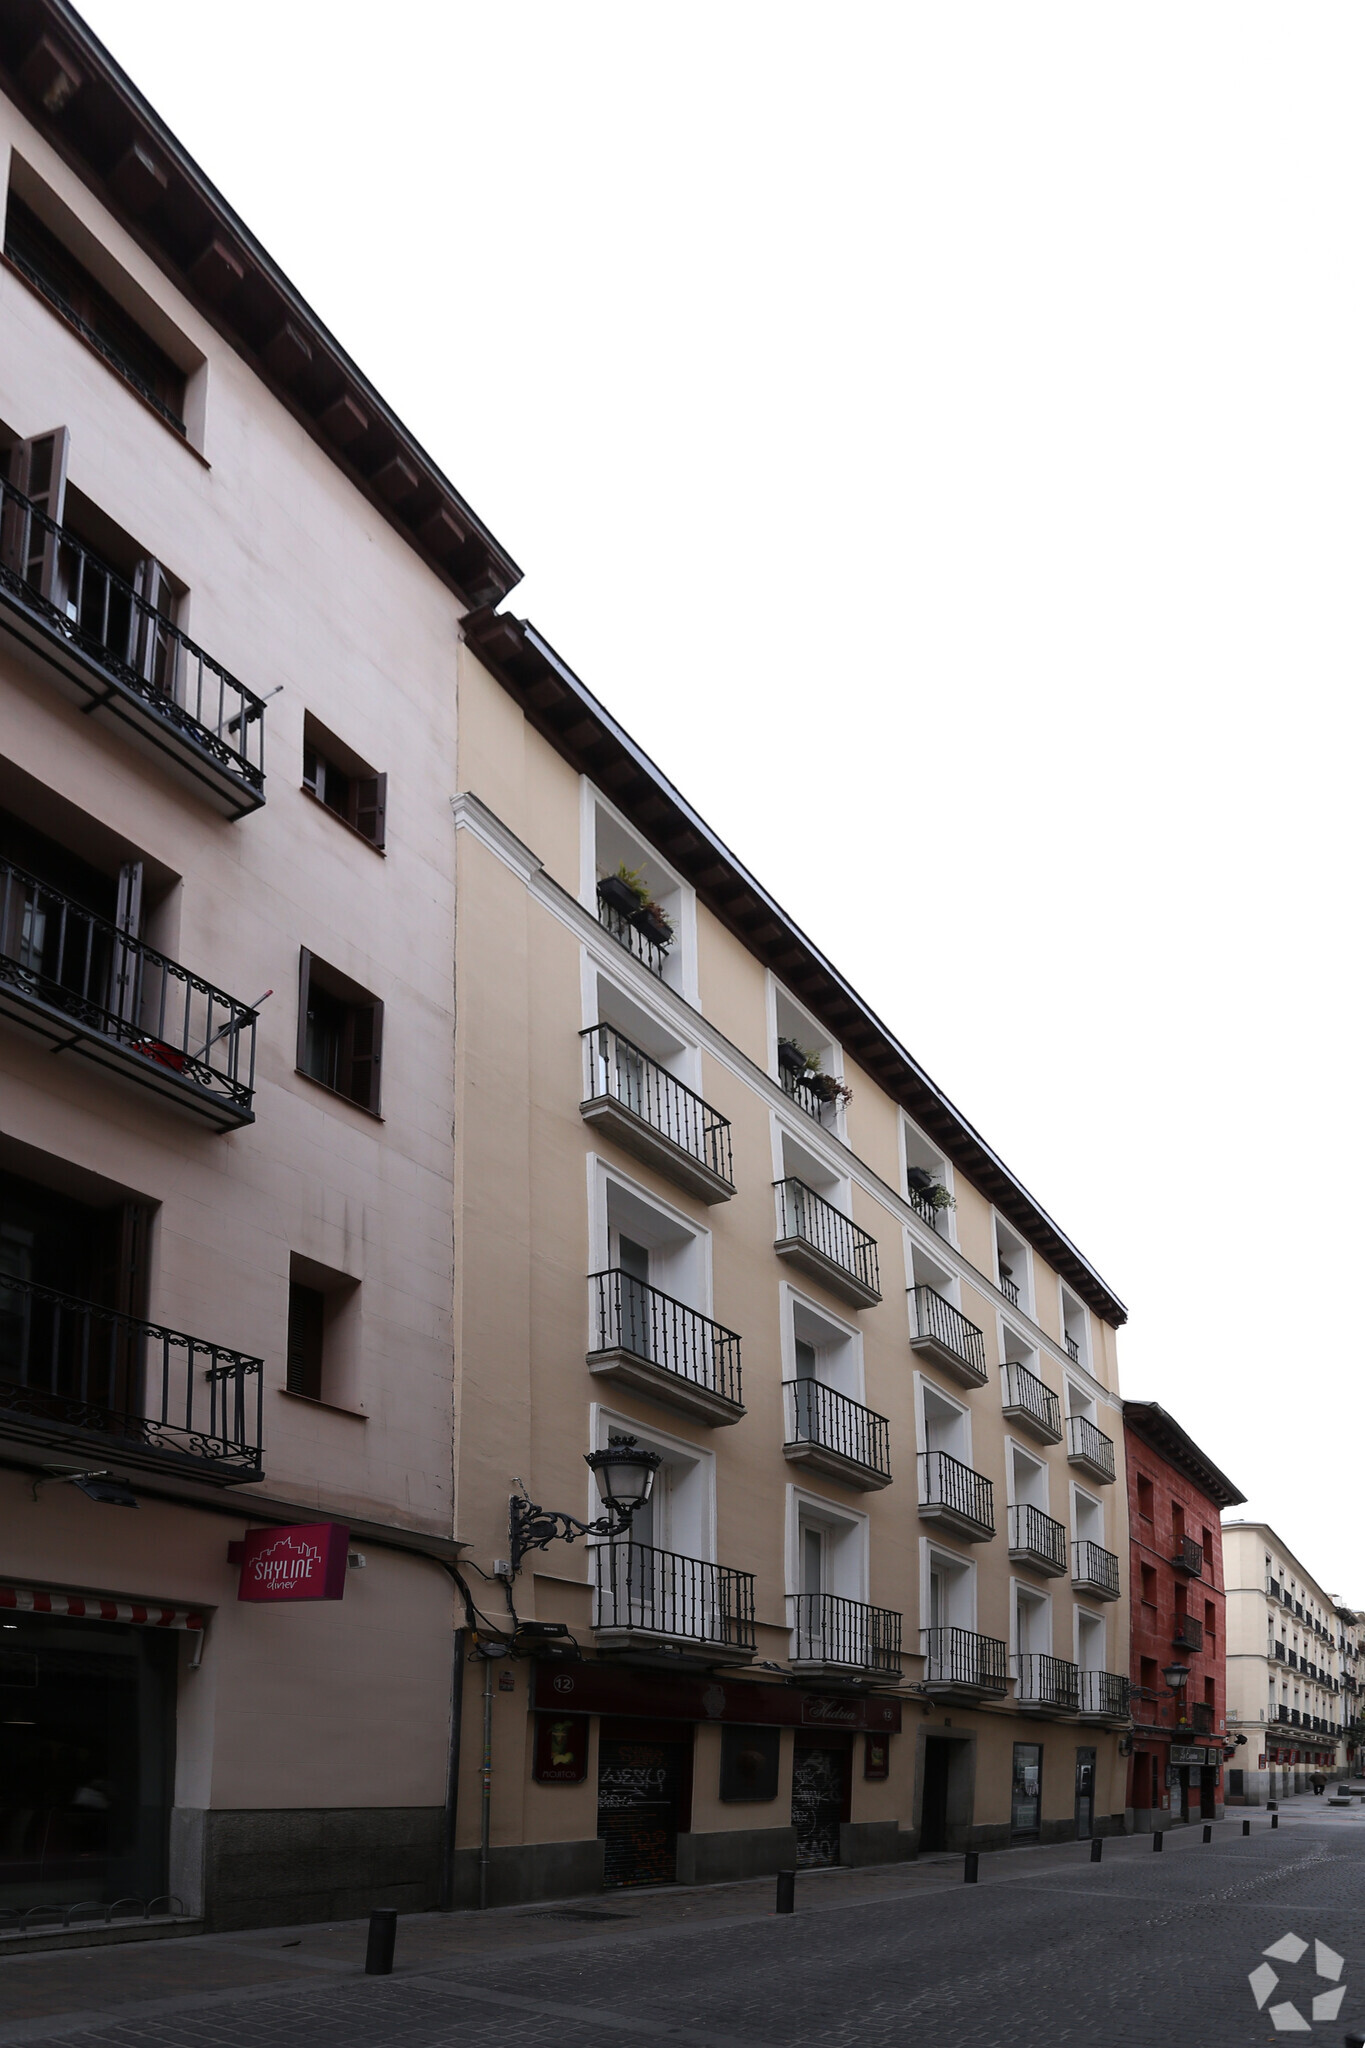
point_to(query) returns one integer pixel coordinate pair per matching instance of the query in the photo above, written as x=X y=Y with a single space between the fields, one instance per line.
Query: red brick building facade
x=1175 y=1498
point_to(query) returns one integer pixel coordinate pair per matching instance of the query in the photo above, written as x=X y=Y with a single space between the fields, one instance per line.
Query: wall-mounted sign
x=561 y=1756
x=876 y=1757
x=605 y=1689
x=306 y=1561
x=1186 y=1753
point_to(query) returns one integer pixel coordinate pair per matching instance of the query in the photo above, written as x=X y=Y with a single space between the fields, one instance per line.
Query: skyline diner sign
x=305 y=1561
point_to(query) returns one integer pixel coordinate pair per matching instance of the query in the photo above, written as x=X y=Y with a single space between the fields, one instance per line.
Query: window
x=1148 y=1674
x=303 y=1369
x=322 y=1343
x=50 y=267
x=1146 y=1499
x=1149 y=1586
x=1177 y=1523
x=1075 y=1327
x=1014 y=1267
x=808 y=1063
x=348 y=786
x=340 y=1036
x=647 y=907
x=928 y=1182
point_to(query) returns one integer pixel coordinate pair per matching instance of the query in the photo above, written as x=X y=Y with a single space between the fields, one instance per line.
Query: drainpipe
x=447 y=1887
x=486 y=1813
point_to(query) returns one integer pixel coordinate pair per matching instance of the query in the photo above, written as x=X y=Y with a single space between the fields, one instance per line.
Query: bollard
x=383 y=1934
x=1272 y=1805
x=1157 y=1838
x=1096 y=1849
x=786 y=1891
x=1274 y=1820
x=1208 y=1834
x=1246 y=1827
x=969 y=1863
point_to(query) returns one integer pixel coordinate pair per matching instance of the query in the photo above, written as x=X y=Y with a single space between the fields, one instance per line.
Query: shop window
x=340 y=1034
x=749 y=1759
x=348 y=786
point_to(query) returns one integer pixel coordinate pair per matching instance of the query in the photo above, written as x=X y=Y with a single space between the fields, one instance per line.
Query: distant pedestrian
x=1319 y=1783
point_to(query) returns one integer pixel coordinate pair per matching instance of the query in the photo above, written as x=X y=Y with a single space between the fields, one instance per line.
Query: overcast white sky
x=936 y=432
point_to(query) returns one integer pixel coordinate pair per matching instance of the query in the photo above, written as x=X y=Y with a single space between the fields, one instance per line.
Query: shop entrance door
x=643 y=1783
x=86 y=1761
x=934 y=1794
x=1208 y=1792
x=1026 y=1796
x=822 y=1780
x=1085 y=1794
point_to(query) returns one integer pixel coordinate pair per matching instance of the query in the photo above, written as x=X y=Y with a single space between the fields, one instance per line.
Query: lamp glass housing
x=624 y=1473
x=1176 y=1676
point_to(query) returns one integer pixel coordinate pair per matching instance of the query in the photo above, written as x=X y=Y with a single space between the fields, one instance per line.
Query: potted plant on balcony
x=919 y=1179
x=826 y=1088
x=793 y=1058
x=625 y=891
x=651 y=919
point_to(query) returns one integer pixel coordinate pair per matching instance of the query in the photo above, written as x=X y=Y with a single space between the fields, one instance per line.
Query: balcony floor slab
x=954 y=1519
x=636 y=1135
x=838 y=1279
x=672 y=1389
x=865 y=1477
x=962 y=1369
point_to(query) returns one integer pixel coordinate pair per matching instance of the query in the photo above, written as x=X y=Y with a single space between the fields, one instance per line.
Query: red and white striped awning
x=97 y=1607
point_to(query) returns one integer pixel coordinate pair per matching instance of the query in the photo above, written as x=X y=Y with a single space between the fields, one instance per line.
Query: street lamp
x=1177 y=1677
x=625 y=1479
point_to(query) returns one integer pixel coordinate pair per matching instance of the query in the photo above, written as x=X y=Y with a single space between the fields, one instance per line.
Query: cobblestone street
x=1048 y=1948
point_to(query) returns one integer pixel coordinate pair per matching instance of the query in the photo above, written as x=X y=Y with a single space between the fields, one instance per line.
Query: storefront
x=775 y=1765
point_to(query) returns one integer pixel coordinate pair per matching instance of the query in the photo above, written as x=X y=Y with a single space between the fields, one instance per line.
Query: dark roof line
x=1151 y=1422
x=565 y=710
x=72 y=89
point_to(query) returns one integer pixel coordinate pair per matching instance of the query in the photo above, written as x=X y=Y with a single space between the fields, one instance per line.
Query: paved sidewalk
x=1047 y=1949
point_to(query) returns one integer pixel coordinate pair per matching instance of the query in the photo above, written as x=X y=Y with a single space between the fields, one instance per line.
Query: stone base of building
x=281 y=1867
x=525 y=1872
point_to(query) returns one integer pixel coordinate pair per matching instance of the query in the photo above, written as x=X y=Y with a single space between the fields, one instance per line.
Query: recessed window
x=1146 y=1499
x=340 y=1036
x=348 y=786
x=321 y=1356
x=307 y=1315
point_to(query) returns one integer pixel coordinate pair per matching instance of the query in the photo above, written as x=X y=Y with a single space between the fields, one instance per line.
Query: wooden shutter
x=154 y=647
x=303 y=1358
x=305 y=979
x=37 y=468
x=127 y=961
x=371 y=802
x=365 y=1030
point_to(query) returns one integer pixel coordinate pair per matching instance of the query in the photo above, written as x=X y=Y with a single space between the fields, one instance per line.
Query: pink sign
x=304 y=1562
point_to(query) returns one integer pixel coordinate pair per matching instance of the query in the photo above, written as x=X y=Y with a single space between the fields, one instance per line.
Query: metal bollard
x=786 y=1891
x=1158 y=1838
x=969 y=1865
x=1208 y=1834
x=1246 y=1827
x=1274 y=1820
x=1272 y=1805
x=383 y=1934
x=1096 y=1849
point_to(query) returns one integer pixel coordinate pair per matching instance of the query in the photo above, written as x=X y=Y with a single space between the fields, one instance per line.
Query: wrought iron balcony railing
x=928 y=1211
x=1010 y=1289
x=1073 y=1349
x=808 y=1223
x=646 y=1592
x=1048 y=1682
x=960 y=1657
x=91 y=1381
x=1201 y=1717
x=821 y=1416
x=664 y=1120
x=1089 y=1446
x=624 y=928
x=128 y=658
x=1029 y=1400
x=947 y=1332
x=1104 y=1695
x=1095 y=1568
x=1034 y=1535
x=1189 y=1556
x=946 y=1484
x=83 y=983
x=1188 y=1634
x=827 y=1629
x=628 y=1315
x=816 y=1093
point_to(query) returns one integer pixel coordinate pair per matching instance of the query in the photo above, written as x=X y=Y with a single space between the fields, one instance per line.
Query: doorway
x=644 y=1781
x=1085 y=1794
x=822 y=1783
x=1026 y=1792
x=1208 y=1793
x=934 y=1793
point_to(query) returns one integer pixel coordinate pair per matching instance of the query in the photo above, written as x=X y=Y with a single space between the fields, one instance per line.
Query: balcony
x=1073 y=1349
x=646 y=1598
x=827 y=1430
x=1089 y=1449
x=1009 y=1288
x=1036 y=1540
x=652 y=1115
x=96 y=1384
x=951 y=1493
x=79 y=981
x=844 y=1638
x=921 y=1187
x=1104 y=1697
x=125 y=660
x=1282 y=1716
x=645 y=1339
x=818 y=1094
x=1094 y=1569
x=941 y=1332
x=1030 y=1403
x=1046 y=1685
x=632 y=928
x=1189 y=1557
x=1279 y=1652
x=1201 y=1717
x=819 y=1239
x=959 y=1664
x=1188 y=1634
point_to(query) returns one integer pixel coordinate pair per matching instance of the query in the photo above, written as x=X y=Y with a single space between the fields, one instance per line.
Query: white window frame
x=1035 y=1597
x=604 y=1421
x=604 y=1174
x=854 y=1524
x=1015 y=1444
x=1028 y=1305
x=904 y=1126
x=922 y=1380
x=685 y=1065
x=684 y=949
x=1078 y=1492
x=1078 y=1610
x=790 y=1298
x=930 y=1549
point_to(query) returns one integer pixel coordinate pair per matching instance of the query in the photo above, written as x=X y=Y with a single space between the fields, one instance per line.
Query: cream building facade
x=230 y=590
x=878 y=1599
x=1292 y=1667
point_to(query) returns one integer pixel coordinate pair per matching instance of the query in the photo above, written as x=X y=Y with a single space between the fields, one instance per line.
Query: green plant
x=636 y=884
x=940 y=1198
